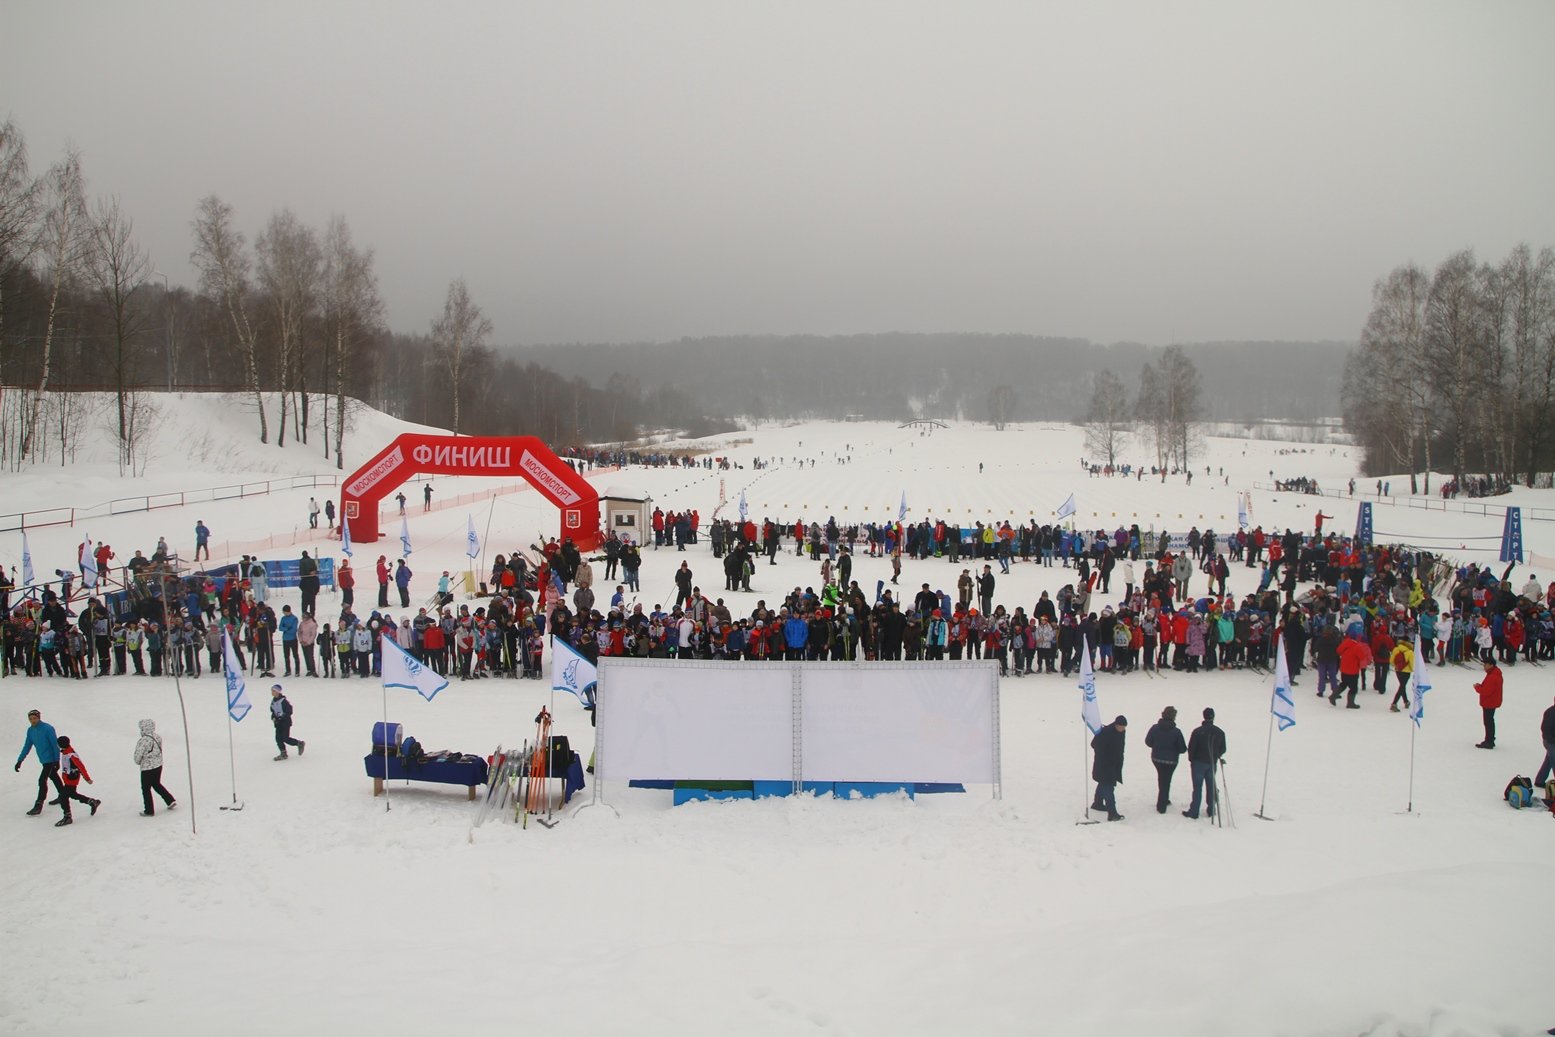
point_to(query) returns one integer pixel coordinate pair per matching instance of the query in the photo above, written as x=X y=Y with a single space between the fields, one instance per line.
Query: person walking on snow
x=202 y=540
x=1166 y=746
x=72 y=770
x=313 y=513
x=281 y=716
x=148 y=757
x=426 y=497
x=42 y=739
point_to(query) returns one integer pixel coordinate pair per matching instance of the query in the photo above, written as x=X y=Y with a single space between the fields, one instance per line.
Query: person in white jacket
x=148 y=757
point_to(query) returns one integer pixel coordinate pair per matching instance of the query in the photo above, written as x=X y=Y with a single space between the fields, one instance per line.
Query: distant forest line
x=896 y=376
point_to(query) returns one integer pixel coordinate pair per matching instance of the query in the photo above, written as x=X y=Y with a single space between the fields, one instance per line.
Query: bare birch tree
x=116 y=268
x=1451 y=339
x=62 y=243
x=353 y=310
x=1107 y=418
x=19 y=200
x=221 y=257
x=457 y=335
x=288 y=270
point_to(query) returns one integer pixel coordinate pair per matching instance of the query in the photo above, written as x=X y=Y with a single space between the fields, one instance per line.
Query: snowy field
x=313 y=910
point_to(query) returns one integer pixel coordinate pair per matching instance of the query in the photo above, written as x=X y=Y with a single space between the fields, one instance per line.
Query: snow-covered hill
x=314 y=908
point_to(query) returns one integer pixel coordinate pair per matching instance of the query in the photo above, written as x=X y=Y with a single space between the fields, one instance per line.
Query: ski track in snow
x=315 y=908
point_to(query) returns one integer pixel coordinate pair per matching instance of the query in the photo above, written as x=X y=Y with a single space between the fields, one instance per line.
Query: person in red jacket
x=383 y=582
x=1353 y=657
x=435 y=644
x=1489 y=700
x=345 y=579
x=71 y=771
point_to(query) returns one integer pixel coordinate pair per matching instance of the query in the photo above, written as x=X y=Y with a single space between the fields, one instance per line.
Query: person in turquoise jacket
x=42 y=740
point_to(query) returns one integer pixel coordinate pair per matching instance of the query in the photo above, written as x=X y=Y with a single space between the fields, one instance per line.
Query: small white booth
x=627 y=513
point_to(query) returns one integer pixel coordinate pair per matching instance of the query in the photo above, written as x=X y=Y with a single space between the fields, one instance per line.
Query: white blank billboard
x=736 y=721
x=916 y=722
x=661 y=719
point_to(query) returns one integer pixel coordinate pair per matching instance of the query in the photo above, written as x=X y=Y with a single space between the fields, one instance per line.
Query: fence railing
x=1420 y=503
x=153 y=501
x=35 y=519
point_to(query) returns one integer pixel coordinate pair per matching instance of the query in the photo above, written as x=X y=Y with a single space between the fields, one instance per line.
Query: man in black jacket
x=1166 y=748
x=1205 y=748
x=1107 y=768
x=1547 y=732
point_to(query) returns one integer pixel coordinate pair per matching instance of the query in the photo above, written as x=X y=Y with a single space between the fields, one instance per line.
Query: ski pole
x=1226 y=782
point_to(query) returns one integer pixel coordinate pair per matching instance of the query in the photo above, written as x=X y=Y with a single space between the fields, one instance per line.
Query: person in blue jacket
x=289 y=655
x=795 y=633
x=42 y=740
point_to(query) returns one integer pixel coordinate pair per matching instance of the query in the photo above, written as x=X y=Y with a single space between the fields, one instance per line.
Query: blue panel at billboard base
x=786 y=788
x=870 y=789
x=687 y=795
x=772 y=788
x=926 y=788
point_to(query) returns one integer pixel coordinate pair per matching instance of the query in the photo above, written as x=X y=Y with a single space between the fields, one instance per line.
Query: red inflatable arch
x=497 y=456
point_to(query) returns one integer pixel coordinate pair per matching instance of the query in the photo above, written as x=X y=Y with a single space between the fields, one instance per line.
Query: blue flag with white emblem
x=237 y=688
x=1090 y=708
x=1283 y=704
x=401 y=670
x=345 y=537
x=571 y=671
x=1422 y=683
x=27 y=574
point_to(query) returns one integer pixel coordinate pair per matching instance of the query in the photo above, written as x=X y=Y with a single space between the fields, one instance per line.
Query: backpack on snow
x=1519 y=793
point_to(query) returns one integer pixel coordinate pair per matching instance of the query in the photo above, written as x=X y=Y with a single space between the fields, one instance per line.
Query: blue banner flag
x=472 y=546
x=1512 y=536
x=404 y=537
x=345 y=537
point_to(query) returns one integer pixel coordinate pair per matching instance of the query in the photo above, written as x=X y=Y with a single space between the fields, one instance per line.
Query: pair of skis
x=536 y=788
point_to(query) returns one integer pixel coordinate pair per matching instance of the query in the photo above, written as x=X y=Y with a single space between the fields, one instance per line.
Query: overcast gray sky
x=619 y=171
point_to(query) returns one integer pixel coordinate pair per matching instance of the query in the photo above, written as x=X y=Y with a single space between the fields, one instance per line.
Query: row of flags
x=88 y=559
x=400 y=670
x=1282 y=704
